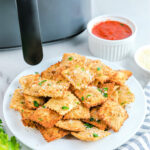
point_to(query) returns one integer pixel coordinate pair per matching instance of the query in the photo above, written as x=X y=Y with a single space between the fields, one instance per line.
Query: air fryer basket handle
x=30 y=30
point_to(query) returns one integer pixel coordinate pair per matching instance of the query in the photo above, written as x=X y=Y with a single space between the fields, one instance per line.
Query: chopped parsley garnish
x=91 y=119
x=40 y=83
x=77 y=102
x=36 y=73
x=22 y=102
x=123 y=103
x=65 y=107
x=99 y=90
x=49 y=84
x=98 y=68
x=105 y=89
x=70 y=58
x=95 y=135
x=121 y=24
x=82 y=69
x=36 y=104
x=98 y=121
x=44 y=106
x=87 y=125
x=82 y=98
x=0 y=121
x=88 y=96
x=105 y=95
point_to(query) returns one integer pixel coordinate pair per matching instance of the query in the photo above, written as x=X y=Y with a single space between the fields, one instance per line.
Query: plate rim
x=57 y=59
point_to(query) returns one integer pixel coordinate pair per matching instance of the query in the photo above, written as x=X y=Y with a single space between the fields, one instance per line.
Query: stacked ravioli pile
x=77 y=96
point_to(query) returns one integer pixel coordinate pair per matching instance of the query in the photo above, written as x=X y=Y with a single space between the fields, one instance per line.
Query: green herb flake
x=65 y=108
x=49 y=84
x=95 y=135
x=91 y=119
x=70 y=58
x=123 y=103
x=82 y=69
x=82 y=98
x=88 y=96
x=36 y=73
x=36 y=104
x=105 y=89
x=105 y=95
x=87 y=125
x=121 y=24
x=77 y=102
x=1 y=121
x=98 y=121
x=40 y=83
x=21 y=102
x=99 y=90
x=43 y=106
x=98 y=68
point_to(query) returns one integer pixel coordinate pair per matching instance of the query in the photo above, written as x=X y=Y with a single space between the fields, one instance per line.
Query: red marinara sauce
x=112 y=30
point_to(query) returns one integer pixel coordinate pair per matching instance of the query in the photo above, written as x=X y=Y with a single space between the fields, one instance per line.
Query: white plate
x=33 y=138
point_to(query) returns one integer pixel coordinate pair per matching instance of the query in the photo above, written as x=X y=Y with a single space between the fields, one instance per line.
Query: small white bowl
x=139 y=54
x=112 y=50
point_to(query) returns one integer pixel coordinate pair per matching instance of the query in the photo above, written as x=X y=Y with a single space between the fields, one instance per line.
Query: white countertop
x=12 y=63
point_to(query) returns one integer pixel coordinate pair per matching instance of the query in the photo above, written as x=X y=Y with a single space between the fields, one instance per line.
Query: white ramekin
x=137 y=55
x=112 y=50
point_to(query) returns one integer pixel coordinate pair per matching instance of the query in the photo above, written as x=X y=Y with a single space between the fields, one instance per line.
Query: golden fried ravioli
x=113 y=115
x=80 y=112
x=34 y=85
x=17 y=102
x=125 y=96
x=91 y=96
x=71 y=125
x=45 y=117
x=63 y=105
x=33 y=102
x=94 y=119
x=91 y=134
x=54 y=133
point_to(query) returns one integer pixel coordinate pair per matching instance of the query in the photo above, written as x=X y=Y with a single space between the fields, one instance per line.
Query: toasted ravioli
x=71 y=125
x=120 y=76
x=70 y=59
x=80 y=112
x=114 y=96
x=49 y=72
x=91 y=134
x=17 y=102
x=45 y=117
x=125 y=96
x=33 y=102
x=54 y=133
x=113 y=114
x=90 y=96
x=94 y=119
x=78 y=76
x=63 y=105
x=26 y=114
x=34 y=85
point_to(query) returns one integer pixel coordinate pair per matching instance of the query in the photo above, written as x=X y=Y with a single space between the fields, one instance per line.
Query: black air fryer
x=40 y=20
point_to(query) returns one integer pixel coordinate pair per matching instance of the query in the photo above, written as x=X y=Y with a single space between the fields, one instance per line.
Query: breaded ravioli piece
x=71 y=125
x=17 y=102
x=54 y=133
x=91 y=134
x=90 y=96
x=120 y=76
x=80 y=112
x=70 y=59
x=63 y=105
x=34 y=85
x=125 y=96
x=32 y=102
x=94 y=119
x=26 y=114
x=78 y=76
x=113 y=115
x=45 y=117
